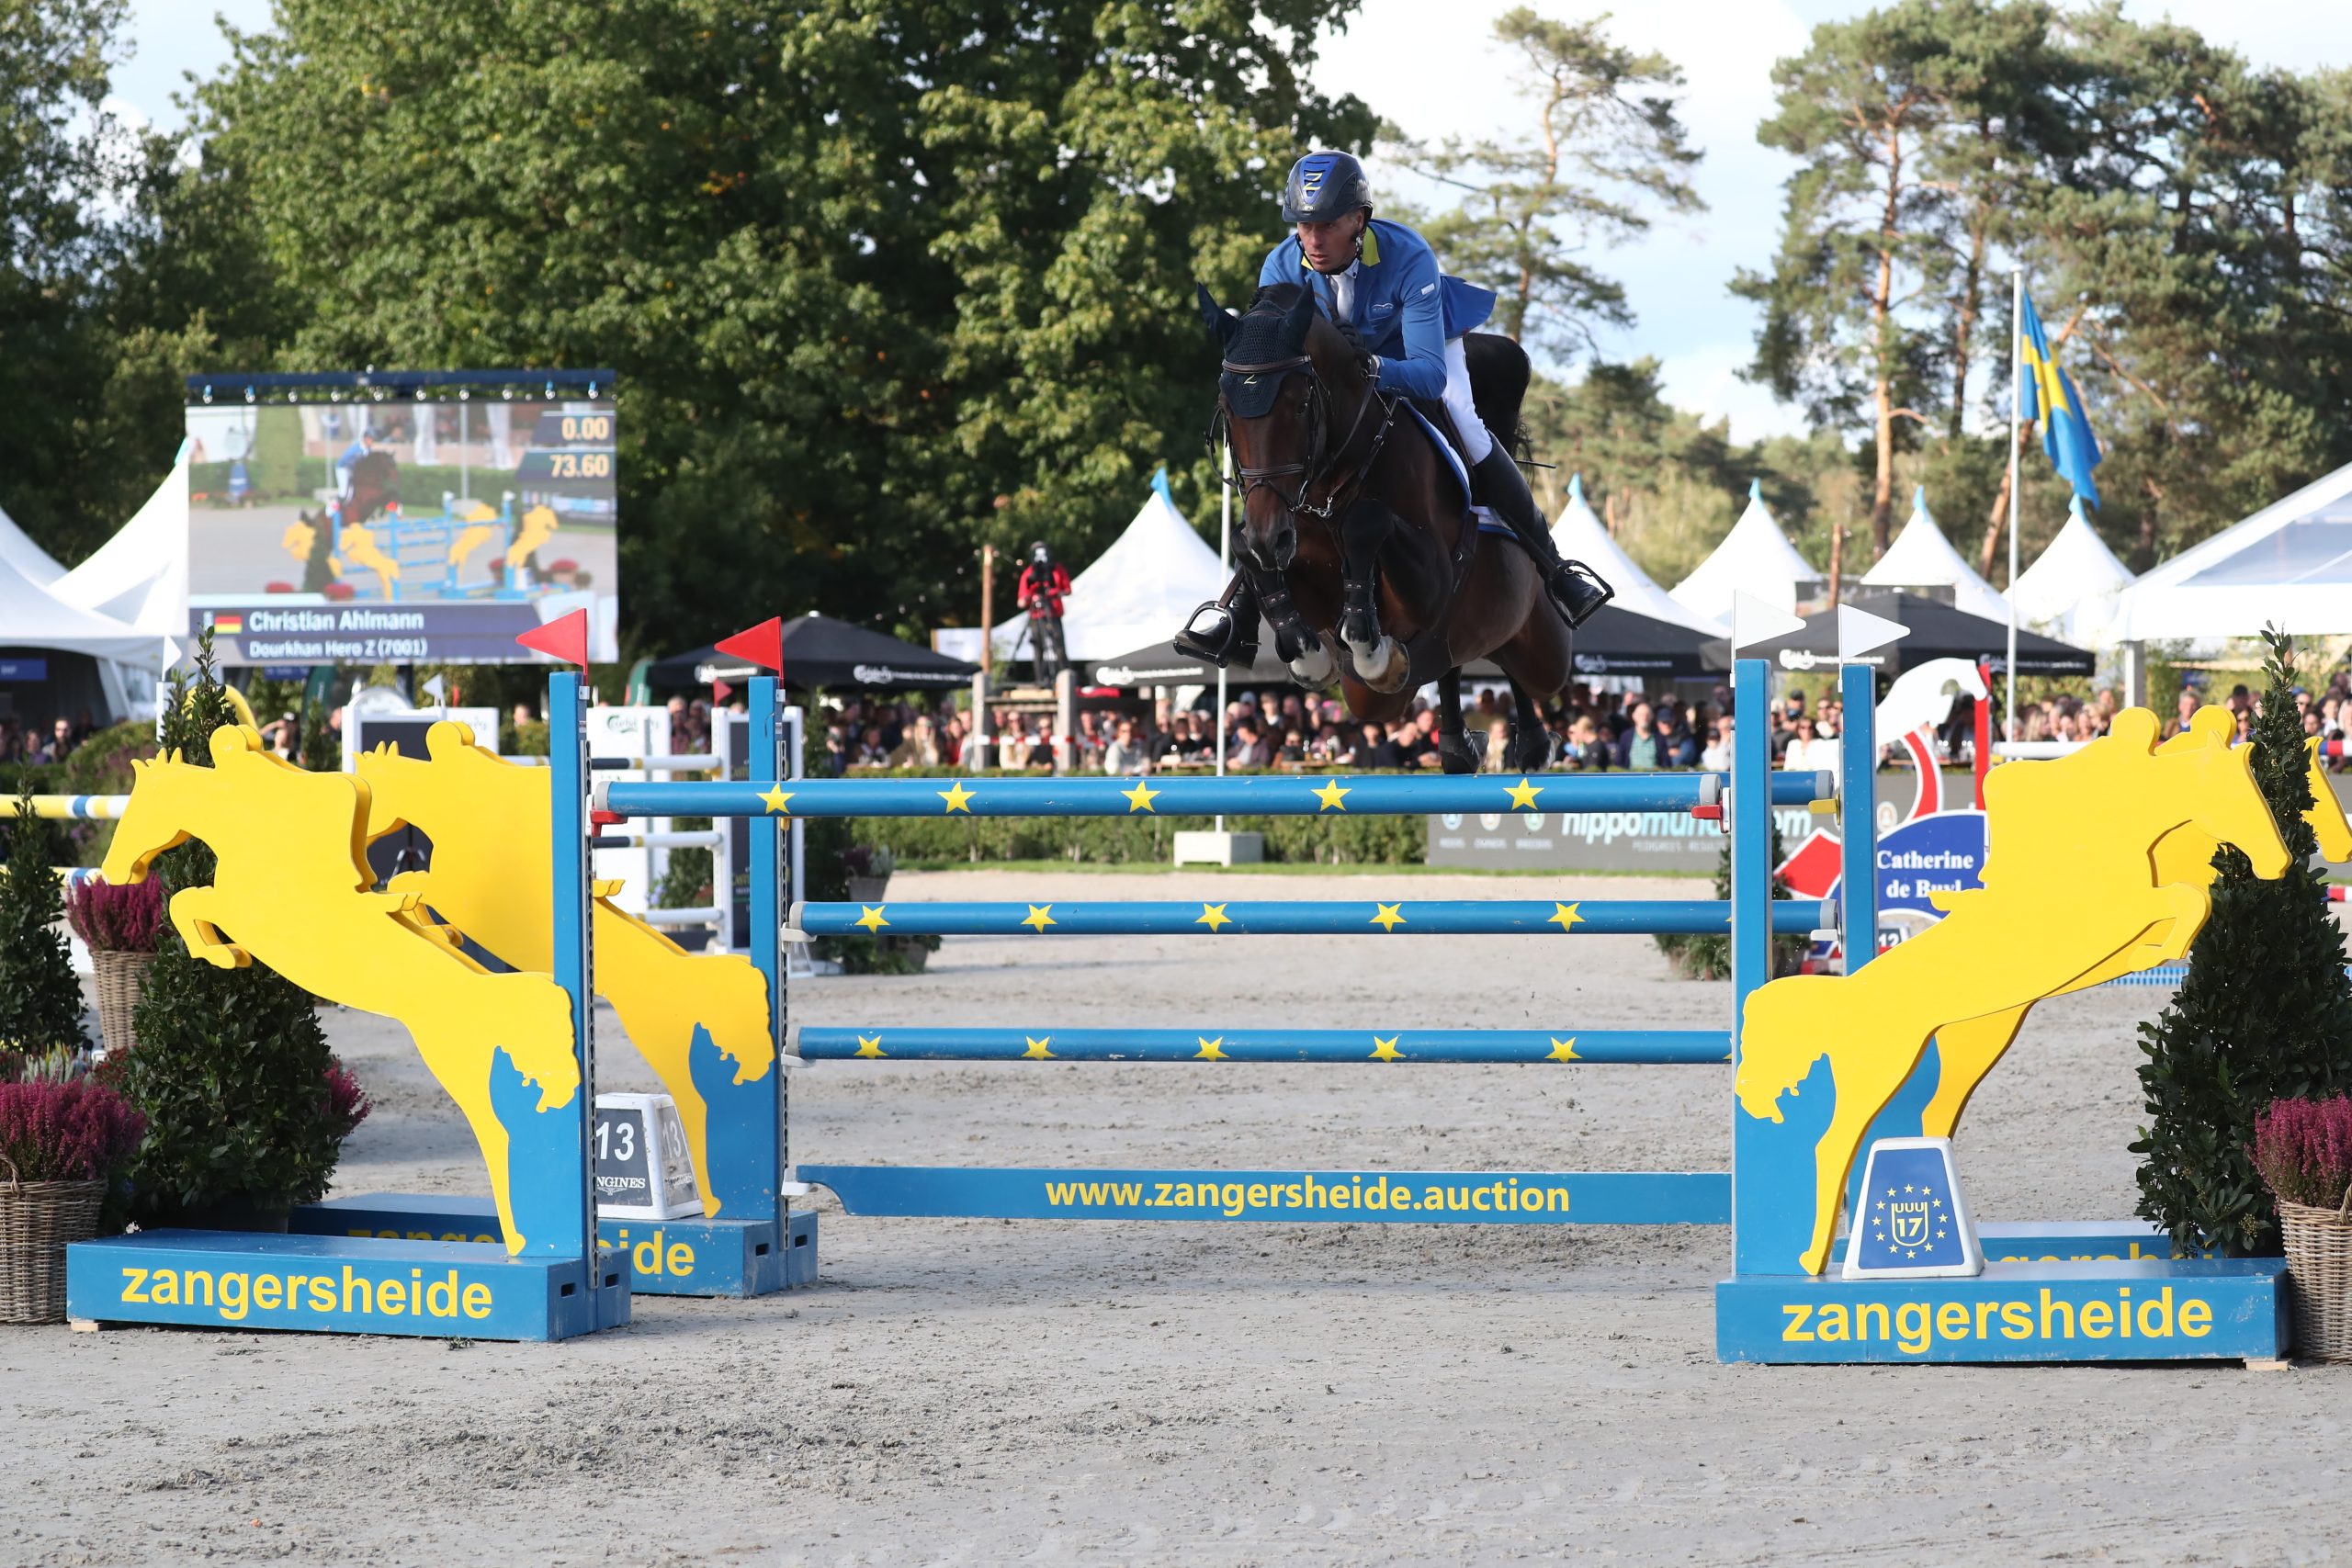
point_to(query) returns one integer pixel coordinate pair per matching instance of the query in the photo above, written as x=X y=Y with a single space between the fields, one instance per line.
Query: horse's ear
x=2136 y=729
x=1221 y=326
x=2219 y=730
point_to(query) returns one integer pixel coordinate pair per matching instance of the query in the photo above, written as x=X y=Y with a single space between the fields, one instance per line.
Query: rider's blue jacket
x=1405 y=309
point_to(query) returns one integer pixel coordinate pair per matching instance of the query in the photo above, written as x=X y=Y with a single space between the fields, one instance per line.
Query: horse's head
x=405 y=791
x=2214 y=782
x=167 y=805
x=1283 y=365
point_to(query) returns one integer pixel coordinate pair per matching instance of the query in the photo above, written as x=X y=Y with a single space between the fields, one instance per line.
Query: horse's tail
x=1499 y=374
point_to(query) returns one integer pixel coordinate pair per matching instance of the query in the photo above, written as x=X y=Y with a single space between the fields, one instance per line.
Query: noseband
x=1317 y=465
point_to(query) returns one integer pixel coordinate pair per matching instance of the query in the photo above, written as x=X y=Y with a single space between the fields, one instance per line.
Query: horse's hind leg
x=1531 y=745
x=1380 y=660
x=1452 y=743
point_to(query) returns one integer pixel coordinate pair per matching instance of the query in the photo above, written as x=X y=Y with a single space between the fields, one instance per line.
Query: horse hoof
x=1384 y=669
x=1315 y=668
x=1456 y=762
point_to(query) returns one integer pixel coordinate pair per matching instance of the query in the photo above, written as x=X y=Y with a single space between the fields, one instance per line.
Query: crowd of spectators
x=40 y=743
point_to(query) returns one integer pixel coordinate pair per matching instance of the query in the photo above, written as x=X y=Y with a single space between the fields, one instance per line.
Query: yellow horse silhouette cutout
x=2078 y=887
x=292 y=889
x=491 y=878
x=1969 y=1049
x=538 y=525
x=358 y=546
x=481 y=526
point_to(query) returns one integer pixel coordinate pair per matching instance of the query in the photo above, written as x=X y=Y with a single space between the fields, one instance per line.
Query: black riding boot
x=1224 y=631
x=1575 y=587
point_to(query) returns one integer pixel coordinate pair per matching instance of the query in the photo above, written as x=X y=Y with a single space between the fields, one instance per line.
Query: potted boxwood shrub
x=2303 y=1149
x=869 y=867
x=40 y=997
x=244 y=1116
x=65 y=1141
x=119 y=926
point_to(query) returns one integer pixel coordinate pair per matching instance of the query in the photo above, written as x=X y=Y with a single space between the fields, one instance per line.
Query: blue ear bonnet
x=1261 y=336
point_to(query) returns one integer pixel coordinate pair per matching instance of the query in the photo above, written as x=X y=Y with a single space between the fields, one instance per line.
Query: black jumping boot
x=1575 y=587
x=1223 y=631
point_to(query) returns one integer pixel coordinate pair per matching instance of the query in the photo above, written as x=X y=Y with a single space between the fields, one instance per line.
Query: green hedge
x=1114 y=840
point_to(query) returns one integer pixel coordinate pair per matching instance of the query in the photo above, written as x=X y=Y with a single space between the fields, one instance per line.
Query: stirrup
x=1209 y=635
x=1578 y=590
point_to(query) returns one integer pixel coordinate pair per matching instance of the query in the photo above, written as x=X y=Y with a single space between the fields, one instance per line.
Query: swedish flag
x=2049 y=397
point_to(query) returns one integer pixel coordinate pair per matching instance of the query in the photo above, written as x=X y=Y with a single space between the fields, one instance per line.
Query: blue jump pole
x=888 y=1043
x=1404 y=917
x=1264 y=795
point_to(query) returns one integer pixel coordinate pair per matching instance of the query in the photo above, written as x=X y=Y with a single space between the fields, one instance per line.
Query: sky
x=1438 y=78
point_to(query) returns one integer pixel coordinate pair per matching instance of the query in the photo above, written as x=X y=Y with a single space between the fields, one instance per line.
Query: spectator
x=1378 y=749
x=1639 y=746
x=920 y=748
x=1123 y=754
x=1716 y=757
x=1498 y=743
x=1250 y=749
x=1585 y=748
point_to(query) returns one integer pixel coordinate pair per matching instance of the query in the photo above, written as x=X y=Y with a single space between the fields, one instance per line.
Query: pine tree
x=2265 y=1013
x=40 y=999
x=232 y=1063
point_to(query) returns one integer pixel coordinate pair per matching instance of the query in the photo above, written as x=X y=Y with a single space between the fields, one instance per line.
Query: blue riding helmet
x=1324 y=186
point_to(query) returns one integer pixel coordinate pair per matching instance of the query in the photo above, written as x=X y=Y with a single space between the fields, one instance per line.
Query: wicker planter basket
x=120 y=977
x=37 y=1219
x=2319 y=1270
x=867 y=889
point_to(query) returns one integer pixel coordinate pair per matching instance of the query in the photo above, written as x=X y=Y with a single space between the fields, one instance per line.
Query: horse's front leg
x=194 y=911
x=1380 y=660
x=1295 y=642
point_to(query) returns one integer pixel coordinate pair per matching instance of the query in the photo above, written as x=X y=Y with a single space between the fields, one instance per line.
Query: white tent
x=30 y=616
x=29 y=561
x=1754 y=558
x=1580 y=535
x=2071 y=590
x=2290 y=564
x=1921 y=557
x=1136 y=593
x=140 y=576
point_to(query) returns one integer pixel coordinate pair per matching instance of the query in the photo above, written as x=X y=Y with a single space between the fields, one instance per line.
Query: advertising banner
x=404 y=517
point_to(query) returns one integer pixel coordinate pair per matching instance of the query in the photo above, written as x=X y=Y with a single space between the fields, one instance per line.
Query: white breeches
x=1476 y=442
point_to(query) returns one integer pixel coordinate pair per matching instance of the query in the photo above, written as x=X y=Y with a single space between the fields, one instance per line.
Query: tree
x=1907 y=124
x=41 y=1001
x=1606 y=144
x=2265 y=1013
x=881 y=283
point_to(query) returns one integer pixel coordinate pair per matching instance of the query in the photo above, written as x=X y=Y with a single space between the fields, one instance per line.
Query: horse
x=1357 y=535
x=2075 y=889
x=292 y=889
x=491 y=868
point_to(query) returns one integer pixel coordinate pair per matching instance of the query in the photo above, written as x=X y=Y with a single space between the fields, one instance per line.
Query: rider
x=1044 y=584
x=1379 y=283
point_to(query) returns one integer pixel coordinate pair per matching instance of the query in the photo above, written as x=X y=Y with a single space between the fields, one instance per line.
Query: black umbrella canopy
x=821 y=654
x=1937 y=631
x=1626 y=642
x=1161 y=665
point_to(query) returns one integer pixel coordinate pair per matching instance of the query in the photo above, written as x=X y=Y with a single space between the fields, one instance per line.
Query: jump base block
x=340 y=1285
x=2162 y=1309
x=667 y=1257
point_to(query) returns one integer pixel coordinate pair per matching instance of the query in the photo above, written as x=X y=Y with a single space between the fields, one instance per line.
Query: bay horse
x=1356 y=532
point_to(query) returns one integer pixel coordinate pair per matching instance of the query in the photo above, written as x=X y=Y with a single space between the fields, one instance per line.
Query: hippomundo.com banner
x=400 y=517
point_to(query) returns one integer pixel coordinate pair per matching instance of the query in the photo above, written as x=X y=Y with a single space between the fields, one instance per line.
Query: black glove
x=1366 y=361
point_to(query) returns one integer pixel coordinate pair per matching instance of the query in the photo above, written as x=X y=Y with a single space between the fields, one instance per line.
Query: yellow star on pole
x=1389 y=917
x=1385 y=1050
x=1036 y=1051
x=1332 y=797
x=1565 y=916
x=1214 y=917
x=1563 y=1050
x=1213 y=1050
x=775 y=799
x=1040 y=915
x=957 y=798
x=872 y=920
x=1522 y=794
x=869 y=1045
x=1140 y=797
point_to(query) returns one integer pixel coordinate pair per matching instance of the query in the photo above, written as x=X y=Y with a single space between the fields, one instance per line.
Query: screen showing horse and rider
x=350 y=522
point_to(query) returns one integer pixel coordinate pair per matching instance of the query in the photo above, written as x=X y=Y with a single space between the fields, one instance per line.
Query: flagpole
x=2017 y=416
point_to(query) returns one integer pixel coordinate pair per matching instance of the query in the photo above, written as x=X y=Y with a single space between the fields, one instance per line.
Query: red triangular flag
x=762 y=645
x=564 y=638
x=720 y=690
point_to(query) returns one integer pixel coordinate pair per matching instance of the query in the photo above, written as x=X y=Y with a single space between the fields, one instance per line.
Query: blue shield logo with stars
x=1912 y=1222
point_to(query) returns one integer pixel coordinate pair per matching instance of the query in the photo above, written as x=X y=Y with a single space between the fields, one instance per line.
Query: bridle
x=1316 y=413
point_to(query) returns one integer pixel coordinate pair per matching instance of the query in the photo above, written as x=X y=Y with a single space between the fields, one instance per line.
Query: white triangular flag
x=1858 y=632
x=436 y=689
x=1753 y=621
